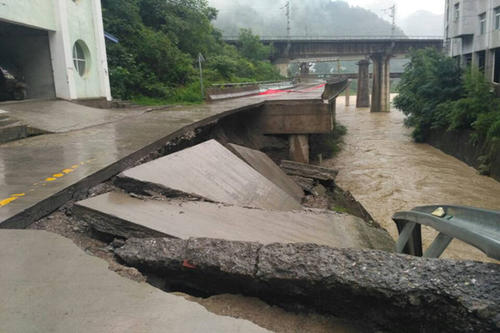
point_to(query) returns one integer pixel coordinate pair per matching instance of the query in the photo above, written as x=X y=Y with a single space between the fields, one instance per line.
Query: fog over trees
x=308 y=18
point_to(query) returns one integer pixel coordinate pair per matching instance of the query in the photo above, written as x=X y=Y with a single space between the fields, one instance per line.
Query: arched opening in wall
x=81 y=58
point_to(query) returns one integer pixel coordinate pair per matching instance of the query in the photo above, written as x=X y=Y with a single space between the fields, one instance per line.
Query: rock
x=117 y=242
x=319 y=190
x=390 y=292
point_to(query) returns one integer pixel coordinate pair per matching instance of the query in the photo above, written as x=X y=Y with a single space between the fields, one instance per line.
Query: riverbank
x=460 y=144
x=387 y=171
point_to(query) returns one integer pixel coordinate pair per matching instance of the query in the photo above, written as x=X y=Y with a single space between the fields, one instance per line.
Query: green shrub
x=435 y=93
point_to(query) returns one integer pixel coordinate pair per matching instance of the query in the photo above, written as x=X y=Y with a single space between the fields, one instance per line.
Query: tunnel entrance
x=25 y=58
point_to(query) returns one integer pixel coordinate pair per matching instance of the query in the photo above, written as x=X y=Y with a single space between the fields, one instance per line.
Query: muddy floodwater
x=387 y=172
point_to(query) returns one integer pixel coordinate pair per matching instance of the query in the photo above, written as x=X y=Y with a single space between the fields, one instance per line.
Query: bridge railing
x=338 y=38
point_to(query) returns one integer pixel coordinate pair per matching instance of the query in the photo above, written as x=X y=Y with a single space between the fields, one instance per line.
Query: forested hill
x=308 y=18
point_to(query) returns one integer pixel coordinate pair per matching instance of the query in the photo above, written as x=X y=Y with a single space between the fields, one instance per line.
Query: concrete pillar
x=363 y=95
x=282 y=66
x=381 y=99
x=304 y=68
x=299 y=148
x=348 y=93
x=489 y=65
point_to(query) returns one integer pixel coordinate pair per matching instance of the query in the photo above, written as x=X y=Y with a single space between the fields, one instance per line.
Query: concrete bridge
x=377 y=49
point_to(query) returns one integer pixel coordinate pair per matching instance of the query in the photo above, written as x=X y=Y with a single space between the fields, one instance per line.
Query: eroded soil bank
x=387 y=172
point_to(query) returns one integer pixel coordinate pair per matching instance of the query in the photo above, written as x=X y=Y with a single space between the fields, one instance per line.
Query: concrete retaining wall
x=460 y=145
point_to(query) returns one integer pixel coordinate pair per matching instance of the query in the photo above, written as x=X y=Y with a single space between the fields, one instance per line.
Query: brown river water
x=387 y=172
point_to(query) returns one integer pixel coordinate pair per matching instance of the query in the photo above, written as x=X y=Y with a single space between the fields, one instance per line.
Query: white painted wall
x=67 y=22
x=33 y=13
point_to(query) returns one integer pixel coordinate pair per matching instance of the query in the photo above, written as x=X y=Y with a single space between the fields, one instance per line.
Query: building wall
x=464 y=35
x=68 y=21
x=83 y=27
x=34 y=13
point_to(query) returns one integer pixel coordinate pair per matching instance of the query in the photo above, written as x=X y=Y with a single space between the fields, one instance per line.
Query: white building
x=56 y=46
x=472 y=32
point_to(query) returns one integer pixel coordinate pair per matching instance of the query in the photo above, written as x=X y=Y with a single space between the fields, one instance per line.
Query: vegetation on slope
x=435 y=93
x=156 y=58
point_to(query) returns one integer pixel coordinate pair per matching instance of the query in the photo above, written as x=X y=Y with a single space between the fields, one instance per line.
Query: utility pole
x=200 y=60
x=392 y=15
x=288 y=28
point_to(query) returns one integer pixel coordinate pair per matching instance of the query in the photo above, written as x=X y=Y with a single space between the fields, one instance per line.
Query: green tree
x=159 y=44
x=429 y=80
x=251 y=46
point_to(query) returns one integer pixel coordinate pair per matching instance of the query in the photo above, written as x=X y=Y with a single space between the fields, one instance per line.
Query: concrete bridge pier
x=299 y=148
x=381 y=83
x=304 y=68
x=282 y=66
x=363 y=95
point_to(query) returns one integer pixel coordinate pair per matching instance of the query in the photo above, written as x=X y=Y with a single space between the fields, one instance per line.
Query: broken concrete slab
x=389 y=292
x=50 y=285
x=123 y=216
x=308 y=171
x=210 y=171
x=266 y=167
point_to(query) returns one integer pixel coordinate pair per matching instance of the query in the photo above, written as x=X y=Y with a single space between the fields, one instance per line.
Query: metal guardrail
x=338 y=38
x=477 y=227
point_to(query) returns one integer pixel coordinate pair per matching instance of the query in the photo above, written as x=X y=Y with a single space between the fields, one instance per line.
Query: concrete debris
x=308 y=171
x=391 y=292
x=307 y=184
x=50 y=285
x=208 y=171
x=266 y=167
x=122 y=216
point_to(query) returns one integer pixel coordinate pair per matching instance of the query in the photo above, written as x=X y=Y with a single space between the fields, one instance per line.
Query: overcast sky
x=404 y=7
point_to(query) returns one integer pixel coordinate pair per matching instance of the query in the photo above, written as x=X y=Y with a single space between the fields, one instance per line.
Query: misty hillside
x=412 y=25
x=308 y=18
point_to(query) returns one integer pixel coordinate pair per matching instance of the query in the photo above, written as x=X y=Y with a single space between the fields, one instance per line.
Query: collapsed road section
x=387 y=291
x=208 y=212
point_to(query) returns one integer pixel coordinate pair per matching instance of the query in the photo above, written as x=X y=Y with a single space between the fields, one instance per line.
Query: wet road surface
x=35 y=170
x=387 y=172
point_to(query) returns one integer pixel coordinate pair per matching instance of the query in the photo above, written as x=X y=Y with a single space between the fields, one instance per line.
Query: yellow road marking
x=7 y=201
x=54 y=177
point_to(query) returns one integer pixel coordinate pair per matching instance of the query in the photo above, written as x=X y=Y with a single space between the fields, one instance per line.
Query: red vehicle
x=10 y=87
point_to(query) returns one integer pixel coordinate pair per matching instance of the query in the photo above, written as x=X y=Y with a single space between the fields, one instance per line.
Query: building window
x=457 y=12
x=81 y=58
x=482 y=24
x=497 y=18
